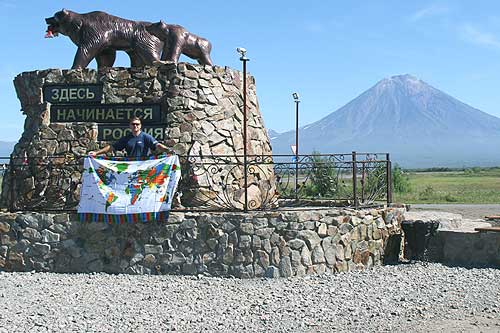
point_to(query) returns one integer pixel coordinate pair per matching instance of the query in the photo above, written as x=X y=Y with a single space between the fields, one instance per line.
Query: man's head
x=135 y=125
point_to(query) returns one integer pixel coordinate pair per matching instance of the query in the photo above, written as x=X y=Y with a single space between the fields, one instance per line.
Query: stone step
x=460 y=241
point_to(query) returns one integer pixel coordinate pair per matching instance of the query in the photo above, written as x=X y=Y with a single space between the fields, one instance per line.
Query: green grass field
x=470 y=186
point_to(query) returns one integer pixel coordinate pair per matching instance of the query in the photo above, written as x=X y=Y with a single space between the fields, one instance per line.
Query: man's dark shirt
x=136 y=146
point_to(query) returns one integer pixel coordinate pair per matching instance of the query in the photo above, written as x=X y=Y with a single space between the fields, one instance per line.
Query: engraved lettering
x=64 y=95
x=129 y=112
x=71 y=115
x=105 y=133
x=90 y=115
x=117 y=133
x=90 y=94
x=148 y=114
x=55 y=94
x=119 y=114
x=158 y=133
x=61 y=114
x=99 y=115
x=110 y=114
x=81 y=93
x=73 y=93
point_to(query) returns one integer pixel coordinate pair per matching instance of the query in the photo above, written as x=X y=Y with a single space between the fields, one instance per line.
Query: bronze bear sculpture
x=179 y=41
x=99 y=35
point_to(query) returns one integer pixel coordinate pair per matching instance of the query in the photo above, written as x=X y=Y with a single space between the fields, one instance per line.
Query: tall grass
x=473 y=186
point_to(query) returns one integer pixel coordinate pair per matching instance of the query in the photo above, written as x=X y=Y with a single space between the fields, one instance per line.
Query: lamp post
x=244 y=59
x=297 y=101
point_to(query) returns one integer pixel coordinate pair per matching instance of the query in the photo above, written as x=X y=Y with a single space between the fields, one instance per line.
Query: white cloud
x=430 y=11
x=473 y=35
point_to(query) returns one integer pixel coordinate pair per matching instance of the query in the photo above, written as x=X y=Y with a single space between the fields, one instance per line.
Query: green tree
x=322 y=180
x=400 y=180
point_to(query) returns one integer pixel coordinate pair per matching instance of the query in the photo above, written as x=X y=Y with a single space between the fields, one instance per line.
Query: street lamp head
x=295 y=97
x=243 y=53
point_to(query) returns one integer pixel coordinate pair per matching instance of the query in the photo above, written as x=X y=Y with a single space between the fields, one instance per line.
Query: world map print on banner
x=128 y=190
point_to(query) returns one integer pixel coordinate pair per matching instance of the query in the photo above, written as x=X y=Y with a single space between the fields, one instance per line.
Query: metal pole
x=354 y=180
x=297 y=149
x=363 y=182
x=389 y=179
x=244 y=59
x=11 y=184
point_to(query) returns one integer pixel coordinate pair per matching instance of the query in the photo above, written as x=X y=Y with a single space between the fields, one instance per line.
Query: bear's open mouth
x=52 y=28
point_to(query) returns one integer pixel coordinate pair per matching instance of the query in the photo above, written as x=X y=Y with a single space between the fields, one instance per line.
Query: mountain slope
x=418 y=124
x=6 y=148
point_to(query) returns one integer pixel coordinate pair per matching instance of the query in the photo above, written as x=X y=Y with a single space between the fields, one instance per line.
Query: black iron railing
x=216 y=182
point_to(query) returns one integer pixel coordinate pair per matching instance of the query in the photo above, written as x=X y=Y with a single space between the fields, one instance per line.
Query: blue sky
x=327 y=51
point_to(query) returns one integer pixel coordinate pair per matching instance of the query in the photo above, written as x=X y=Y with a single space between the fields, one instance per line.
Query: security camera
x=241 y=51
x=295 y=96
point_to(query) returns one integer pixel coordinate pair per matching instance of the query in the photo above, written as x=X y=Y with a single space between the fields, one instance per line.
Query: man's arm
x=164 y=149
x=101 y=151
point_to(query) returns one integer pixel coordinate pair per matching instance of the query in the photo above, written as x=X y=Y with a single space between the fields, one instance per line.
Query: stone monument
x=194 y=109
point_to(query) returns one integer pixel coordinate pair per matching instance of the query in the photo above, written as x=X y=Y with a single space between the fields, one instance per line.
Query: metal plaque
x=68 y=93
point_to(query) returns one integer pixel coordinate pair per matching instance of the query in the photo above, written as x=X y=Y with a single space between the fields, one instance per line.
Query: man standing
x=137 y=143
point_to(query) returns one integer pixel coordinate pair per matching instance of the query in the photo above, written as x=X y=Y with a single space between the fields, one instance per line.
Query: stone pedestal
x=201 y=111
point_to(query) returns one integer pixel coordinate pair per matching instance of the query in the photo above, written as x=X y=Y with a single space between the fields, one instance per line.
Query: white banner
x=125 y=190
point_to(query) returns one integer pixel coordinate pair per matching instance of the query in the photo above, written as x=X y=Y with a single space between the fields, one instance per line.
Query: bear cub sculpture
x=179 y=41
x=99 y=35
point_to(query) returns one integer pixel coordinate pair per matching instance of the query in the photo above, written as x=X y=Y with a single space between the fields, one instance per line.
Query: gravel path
x=468 y=211
x=416 y=297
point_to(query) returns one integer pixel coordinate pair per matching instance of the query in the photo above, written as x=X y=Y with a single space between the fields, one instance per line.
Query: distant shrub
x=450 y=198
x=400 y=180
x=436 y=169
x=472 y=171
x=427 y=193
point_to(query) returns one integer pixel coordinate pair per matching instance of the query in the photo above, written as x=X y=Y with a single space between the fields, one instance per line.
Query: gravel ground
x=468 y=211
x=417 y=297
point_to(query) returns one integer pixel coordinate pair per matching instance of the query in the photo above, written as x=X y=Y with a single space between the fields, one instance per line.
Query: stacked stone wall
x=272 y=244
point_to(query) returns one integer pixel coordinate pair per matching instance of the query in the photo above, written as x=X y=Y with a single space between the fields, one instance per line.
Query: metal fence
x=217 y=183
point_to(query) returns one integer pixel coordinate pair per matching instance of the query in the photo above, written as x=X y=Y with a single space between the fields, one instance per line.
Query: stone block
x=285 y=267
x=264 y=232
x=318 y=255
x=228 y=255
x=311 y=238
x=153 y=249
x=61 y=218
x=295 y=258
x=272 y=272
x=188 y=224
x=247 y=228
x=256 y=242
x=296 y=244
x=27 y=221
x=4 y=227
x=260 y=222
x=245 y=241
x=32 y=234
x=345 y=228
x=41 y=249
x=275 y=256
x=262 y=258
x=322 y=230
x=49 y=236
